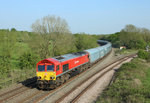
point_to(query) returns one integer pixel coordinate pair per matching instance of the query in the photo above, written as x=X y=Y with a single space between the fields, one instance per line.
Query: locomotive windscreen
x=50 y=67
x=41 y=67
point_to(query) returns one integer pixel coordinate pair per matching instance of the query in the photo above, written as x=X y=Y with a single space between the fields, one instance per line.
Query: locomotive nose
x=46 y=75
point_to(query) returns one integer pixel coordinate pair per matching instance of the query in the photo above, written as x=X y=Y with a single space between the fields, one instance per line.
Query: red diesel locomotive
x=52 y=72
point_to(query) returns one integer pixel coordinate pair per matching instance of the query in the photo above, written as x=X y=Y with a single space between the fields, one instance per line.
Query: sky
x=88 y=16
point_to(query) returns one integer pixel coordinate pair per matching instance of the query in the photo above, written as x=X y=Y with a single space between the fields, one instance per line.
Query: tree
x=113 y=38
x=146 y=34
x=54 y=37
x=131 y=28
x=85 y=41
x=13 y=29
x=50 y=24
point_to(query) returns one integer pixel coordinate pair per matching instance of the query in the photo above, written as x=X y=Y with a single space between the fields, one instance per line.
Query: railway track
x=16 y=91
x=75 y=98
x=40 y=95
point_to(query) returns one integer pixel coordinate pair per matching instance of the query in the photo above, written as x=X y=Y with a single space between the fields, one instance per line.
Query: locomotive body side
x=71 y=62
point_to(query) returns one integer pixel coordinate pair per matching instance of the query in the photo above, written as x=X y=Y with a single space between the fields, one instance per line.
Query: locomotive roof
x=69 y=56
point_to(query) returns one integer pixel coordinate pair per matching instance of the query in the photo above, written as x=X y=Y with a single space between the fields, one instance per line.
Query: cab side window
x=65 y=67
x=57 y=68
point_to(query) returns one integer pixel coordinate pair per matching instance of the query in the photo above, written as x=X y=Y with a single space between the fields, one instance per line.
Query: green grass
x=125 y=51
x=16 y=76
x=146 y=80
x=131 y=84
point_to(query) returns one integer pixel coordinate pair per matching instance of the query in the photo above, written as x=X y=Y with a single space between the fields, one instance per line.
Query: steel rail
x=14 y=90
x=62 y=98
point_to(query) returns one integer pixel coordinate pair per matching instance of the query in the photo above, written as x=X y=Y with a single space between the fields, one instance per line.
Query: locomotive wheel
x=40 y=85
x=86 y=66
x=63 y=79
x=67 y=76
x=79 y=70
x=58 y=82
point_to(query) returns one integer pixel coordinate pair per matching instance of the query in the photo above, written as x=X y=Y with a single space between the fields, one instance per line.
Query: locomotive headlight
x=52 y=78
x=39 y=77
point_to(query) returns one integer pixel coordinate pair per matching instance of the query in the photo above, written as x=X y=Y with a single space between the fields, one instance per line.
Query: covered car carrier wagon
x=99 y=52
x=93 y=54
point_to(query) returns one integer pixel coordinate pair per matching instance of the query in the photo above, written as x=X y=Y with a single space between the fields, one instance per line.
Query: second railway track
x=75 y=96
x=16 y=91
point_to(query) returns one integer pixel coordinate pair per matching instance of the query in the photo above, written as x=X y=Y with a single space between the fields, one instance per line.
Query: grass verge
x=131 y=84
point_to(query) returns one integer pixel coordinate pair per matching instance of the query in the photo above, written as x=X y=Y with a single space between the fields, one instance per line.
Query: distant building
x=122 y=47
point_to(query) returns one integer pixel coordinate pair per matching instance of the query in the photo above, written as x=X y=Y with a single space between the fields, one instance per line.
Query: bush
x=143 y=54
x=4 y=65
x=28 y=60
x=148 y=58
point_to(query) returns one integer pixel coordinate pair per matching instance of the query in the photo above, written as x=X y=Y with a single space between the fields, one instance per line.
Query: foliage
x=13 y=29
x=85 y=41
x=144 y=55
x=50 y=24
x=113 y=38
x=54 y=36
x=4 y=65
x=132 y=40
x=28 y=60
x=131 y=37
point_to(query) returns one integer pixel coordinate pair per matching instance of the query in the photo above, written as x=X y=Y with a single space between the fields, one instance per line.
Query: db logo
x=76 y=62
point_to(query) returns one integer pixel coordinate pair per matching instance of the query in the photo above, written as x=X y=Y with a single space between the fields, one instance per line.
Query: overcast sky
x=89 y=16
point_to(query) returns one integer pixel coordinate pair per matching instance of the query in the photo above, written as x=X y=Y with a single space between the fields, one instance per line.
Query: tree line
x=131 y=36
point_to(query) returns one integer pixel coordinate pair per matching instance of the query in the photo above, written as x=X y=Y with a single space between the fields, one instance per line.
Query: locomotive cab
x=46 y=69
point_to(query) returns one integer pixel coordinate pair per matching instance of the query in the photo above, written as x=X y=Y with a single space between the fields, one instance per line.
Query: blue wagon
x=99 y=52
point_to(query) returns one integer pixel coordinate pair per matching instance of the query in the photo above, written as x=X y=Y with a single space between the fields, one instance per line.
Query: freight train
x=52 y=72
